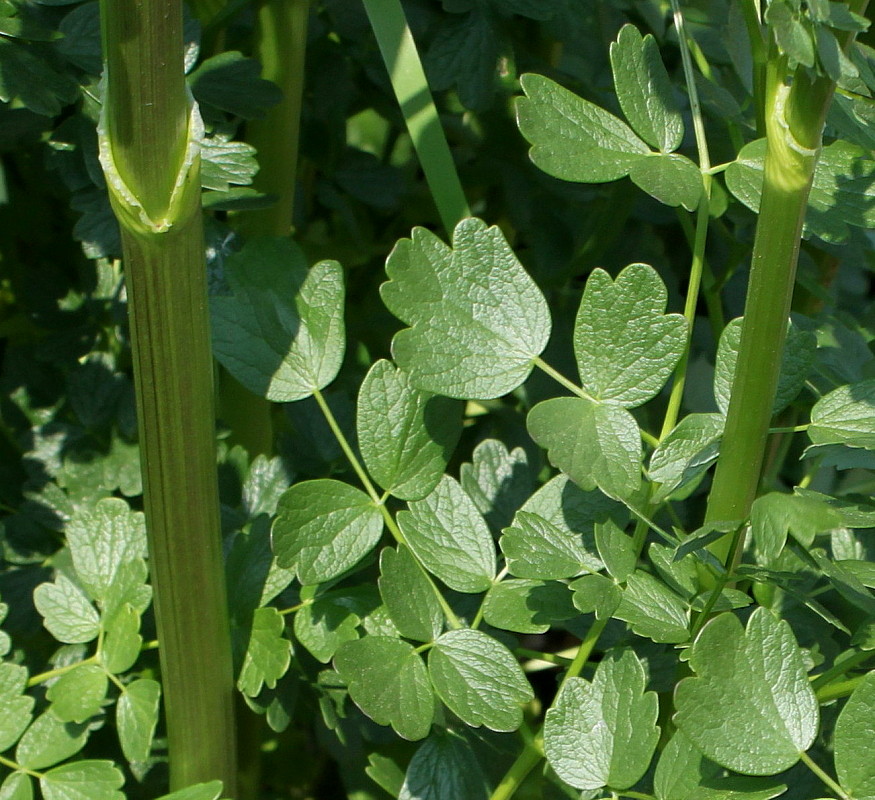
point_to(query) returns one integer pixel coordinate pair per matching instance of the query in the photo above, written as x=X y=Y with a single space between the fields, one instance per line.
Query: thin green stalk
x=824 y=777
x=839 y=689
x=149 y=137
x=841 y=668
x=703 y=215
x=417 y=106
x=759 y=56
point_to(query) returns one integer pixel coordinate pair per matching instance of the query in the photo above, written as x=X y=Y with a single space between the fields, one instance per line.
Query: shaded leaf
x=845 y=416
x=855 y=741
x=268 y=654
x=444 y=768
x=527 y=606
x=387 y=679
x=136 y=716
x=231 y=82
x=281 y=331
x=408 y=595
x=498 y=481
x=653 y=610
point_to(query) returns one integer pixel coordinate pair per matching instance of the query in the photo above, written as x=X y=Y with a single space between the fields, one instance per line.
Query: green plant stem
x=795 y=123
x=841 y=668
x=280 y=45
x=417 y=106
x=759 y=56
x=703 y=214
x=149 y=152
x=42 y=677
x=839 y=689
x=827 y=781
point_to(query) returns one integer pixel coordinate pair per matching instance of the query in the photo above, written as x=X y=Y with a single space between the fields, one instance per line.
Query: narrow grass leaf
x=136 y=717
x=477 y=320
x=750 y=707
x=595 y=444
x=479 y=679
x=644 y=90
x=574 y=139
x=855 y=742
x=449 y=537
x=626 y=346
x=388 y=681
x=444 y=768
x=406 y=436
x=603 y=733
x=280 y=332
x=323 y=528
x=408 y=595
x=78 y=694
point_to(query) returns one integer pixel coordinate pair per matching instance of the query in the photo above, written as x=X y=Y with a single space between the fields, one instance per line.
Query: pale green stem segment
x=795 y=115
x=703 y=214
x=824 y=777
x=149 y=140
x=417 y=106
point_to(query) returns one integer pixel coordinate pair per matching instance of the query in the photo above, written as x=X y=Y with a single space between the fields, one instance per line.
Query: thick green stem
x=149 y=152
x=794 y=127
x=414 y=97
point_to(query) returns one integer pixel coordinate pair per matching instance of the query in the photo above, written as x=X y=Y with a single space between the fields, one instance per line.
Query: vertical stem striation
x=795 y=113
x=149 y=153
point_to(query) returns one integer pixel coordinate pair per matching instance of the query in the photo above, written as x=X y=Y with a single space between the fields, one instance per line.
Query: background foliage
x=402 y=620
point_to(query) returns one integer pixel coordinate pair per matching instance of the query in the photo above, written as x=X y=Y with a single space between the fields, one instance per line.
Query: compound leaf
x=478 y=679
x=280 y=332
x=408 y=595
x=626 y=347
x=574 y=139
x=477 y=320
x=603 y=733
x=387 y=680
x=751 y=707
x=855 y=742
x=449 y=537
x=595 y=444
x=136 y=715
x=645 y=91
x=83 y=780
x=323 y=528
x=406 y=436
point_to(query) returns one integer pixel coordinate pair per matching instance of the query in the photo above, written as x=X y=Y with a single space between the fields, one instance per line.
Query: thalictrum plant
x=513 y=278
